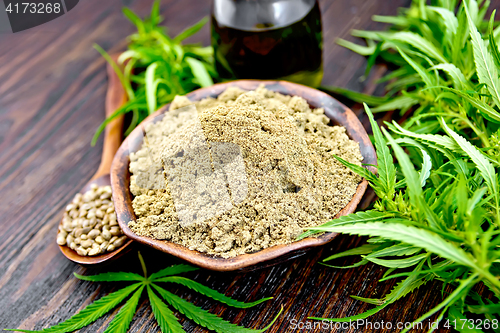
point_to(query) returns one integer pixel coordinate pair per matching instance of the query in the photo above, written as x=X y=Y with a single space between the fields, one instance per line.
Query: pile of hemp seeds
x=89 y=224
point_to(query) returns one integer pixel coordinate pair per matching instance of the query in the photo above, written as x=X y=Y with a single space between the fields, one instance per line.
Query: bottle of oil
x=268 y=39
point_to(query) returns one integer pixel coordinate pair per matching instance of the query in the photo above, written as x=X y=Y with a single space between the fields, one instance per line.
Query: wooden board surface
x=52 y=91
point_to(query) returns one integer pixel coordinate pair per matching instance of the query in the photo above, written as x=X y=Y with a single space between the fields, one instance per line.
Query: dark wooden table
x=52 y=88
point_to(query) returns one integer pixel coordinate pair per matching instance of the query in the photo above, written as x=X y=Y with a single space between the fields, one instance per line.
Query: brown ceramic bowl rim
x=120 y=176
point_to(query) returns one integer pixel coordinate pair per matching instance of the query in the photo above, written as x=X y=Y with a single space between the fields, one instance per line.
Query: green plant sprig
x=157 y=67
x=165 y=318
x=439 y=221
x=444 y=67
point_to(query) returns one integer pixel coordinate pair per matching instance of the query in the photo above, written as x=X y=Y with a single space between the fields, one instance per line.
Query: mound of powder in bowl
x=240 y=173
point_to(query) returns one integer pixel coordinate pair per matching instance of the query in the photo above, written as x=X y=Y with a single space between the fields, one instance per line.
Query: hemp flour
x=246 y=171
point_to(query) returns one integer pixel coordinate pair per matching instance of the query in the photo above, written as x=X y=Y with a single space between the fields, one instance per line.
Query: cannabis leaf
x=203 y=317
x=122 y=320
x=459 y=80
x=92 y=312
x=486 y=69
x=441 y=224
x=349 y=219
x=164 y=316
x=446 y=64
x=410 y=235
x=386 y=169
x=446 y=204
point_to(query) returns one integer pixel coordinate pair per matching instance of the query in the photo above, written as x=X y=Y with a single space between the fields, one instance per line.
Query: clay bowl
x=337 y=112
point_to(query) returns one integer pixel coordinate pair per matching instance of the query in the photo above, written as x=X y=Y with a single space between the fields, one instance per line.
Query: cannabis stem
x=143 y=265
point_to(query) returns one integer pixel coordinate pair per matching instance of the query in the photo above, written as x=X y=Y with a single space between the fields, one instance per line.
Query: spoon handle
x=115 y=97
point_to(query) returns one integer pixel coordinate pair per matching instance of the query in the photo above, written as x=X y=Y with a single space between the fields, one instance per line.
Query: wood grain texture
x=52 y=97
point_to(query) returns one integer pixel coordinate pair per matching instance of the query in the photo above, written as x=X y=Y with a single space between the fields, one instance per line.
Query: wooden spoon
x=115 y=97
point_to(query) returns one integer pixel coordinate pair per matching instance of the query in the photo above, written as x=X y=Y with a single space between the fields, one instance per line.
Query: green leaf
x=420 y=43
x=371 y=59
x=129 y=54
x=441 y=140
x=111 y=276
x=400 y=290
x=485 y=66
x=354 y=95
x=408 y=234
x=484 y=166
x=363 y=315
x=359 y=263
x=91 y=312
x=200 y=72
x=206 y=52
x=418 y=273
x=203 y=317
x=426 y=168
x=459 y=292
x=172 y=270
x=193 y=285
x=151 y=86
x=173 y=74
x=365 y=173
x=132 y=105
x=166 y=319
x=163 y=315
x=428 y=80
x=450 y=22
x=122 y=320
x=398 y=263
x=422 y=4
x=475 y=199
x=454 y=315
x=397 y=20
x=136 y=20
x=458 y=78
x=363 y=50
x=413 y=183
x=155 y=12
x=396 y=74
x=487 y=111
x=397 y=103
x=191 y=30
x=404 y=84
x=371 y=35
x=492 y=308
x=386 y=169
x=364 y=249
x=457 y=48
x=474 y=10
x=408 y=285
x=493 y=43
x=126 y=84
x=358 y=217
x=374 y=301
x=395 y=250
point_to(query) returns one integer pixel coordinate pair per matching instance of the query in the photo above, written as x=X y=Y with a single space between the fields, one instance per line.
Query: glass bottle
x=268 y=39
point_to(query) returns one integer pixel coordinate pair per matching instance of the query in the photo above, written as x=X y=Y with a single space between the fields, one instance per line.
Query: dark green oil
x=267 y=50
